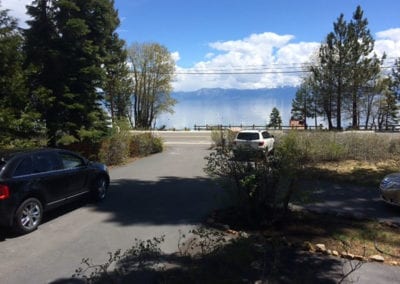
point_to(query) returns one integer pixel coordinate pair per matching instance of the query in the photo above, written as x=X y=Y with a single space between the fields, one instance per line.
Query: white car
x=254 y=140
x=390 y=189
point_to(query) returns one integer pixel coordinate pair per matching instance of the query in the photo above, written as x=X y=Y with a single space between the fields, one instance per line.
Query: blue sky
x=244 y=36
x=188 y=26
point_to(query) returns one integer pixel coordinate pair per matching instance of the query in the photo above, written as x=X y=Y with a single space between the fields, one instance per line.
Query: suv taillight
x=261 y=143
x=4 y=192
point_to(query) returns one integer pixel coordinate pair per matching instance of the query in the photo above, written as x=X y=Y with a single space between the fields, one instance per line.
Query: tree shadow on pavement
x=238 y=262
x=170 y=200
x=347 y=199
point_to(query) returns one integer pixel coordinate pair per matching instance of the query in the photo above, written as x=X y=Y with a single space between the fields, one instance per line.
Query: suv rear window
x=248 y=136
x=24 y=168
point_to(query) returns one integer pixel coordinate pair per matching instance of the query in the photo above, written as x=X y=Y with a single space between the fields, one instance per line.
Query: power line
x=256 y=71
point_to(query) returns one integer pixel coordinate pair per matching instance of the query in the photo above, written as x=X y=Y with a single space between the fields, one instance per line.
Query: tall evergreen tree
x=66 y=45
x=362 y=67
x=387 y=112
x=346 y=71
x=395 y=78
x=118 y=85
x=331 y=72
x=322 y=80
x=303 y=103
x=18 y=118
x=275 y=119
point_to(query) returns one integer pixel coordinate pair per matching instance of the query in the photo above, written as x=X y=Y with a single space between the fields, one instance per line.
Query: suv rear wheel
x=28 y=216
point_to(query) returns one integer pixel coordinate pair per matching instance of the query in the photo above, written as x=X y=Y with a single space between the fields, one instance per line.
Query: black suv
x=33 y=181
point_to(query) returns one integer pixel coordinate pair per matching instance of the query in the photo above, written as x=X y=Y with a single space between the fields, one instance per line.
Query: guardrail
x=391 y=128
x=253 y=126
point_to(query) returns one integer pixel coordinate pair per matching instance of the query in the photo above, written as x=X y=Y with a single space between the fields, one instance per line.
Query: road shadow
x=347 y=199
x=170 y=200
x=237 y=262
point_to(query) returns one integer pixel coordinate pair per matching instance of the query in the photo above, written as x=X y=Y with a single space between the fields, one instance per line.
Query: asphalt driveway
x=347 y=200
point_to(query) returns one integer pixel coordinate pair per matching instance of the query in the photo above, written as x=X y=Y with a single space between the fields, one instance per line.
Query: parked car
x=248 y=140
x=34 y=181
x=390 y=189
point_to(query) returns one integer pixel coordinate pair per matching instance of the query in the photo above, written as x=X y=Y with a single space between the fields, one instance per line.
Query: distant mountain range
x=228 y=106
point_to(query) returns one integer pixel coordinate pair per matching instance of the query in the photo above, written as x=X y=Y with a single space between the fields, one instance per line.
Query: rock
x=394 y=263
x=328 y=252
x=244 y=235
x=307 y=246
x=350 y=256
x=377 y=258
x=232 y=232
x=320 y=248
x=344 y=254
x=359 y=257
x=335 y=253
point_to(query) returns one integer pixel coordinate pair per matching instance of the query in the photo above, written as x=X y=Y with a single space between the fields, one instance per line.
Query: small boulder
x=359 y=257
x=307 y=246
x=320 y=248
x=377 y=258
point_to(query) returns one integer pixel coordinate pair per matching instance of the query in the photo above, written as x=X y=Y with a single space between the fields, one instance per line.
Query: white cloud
x=389 y=42
x=175 y=56
x=266 y=60
x=17 y=9
x=258 y=61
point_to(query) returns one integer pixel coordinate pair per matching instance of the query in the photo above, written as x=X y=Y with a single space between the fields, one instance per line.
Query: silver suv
x=254 y=140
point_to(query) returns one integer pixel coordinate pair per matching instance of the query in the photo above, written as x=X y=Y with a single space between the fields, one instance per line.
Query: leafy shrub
x=114 y=150
x=255 y=184
x=222 y=137
x=144 y=144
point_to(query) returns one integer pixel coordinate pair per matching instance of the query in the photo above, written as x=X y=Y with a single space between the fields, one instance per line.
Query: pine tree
x=387 y=107
x=362 y=67
x=345 y=70
x=18 y=119
x=118 y=85
x=66 y=45
x=303 y=103
x=395 y=78
x=275 y=119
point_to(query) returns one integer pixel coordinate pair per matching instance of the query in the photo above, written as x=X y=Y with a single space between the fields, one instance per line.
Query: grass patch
x=352 y=171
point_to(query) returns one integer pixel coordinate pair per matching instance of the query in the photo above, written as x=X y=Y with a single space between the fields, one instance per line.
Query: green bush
x=222 y=137
x=144 y=144
x=255 y=185
x=114 y=150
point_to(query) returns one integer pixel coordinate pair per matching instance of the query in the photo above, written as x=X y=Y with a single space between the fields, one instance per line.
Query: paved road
x=347 y=199
x=154 y=196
